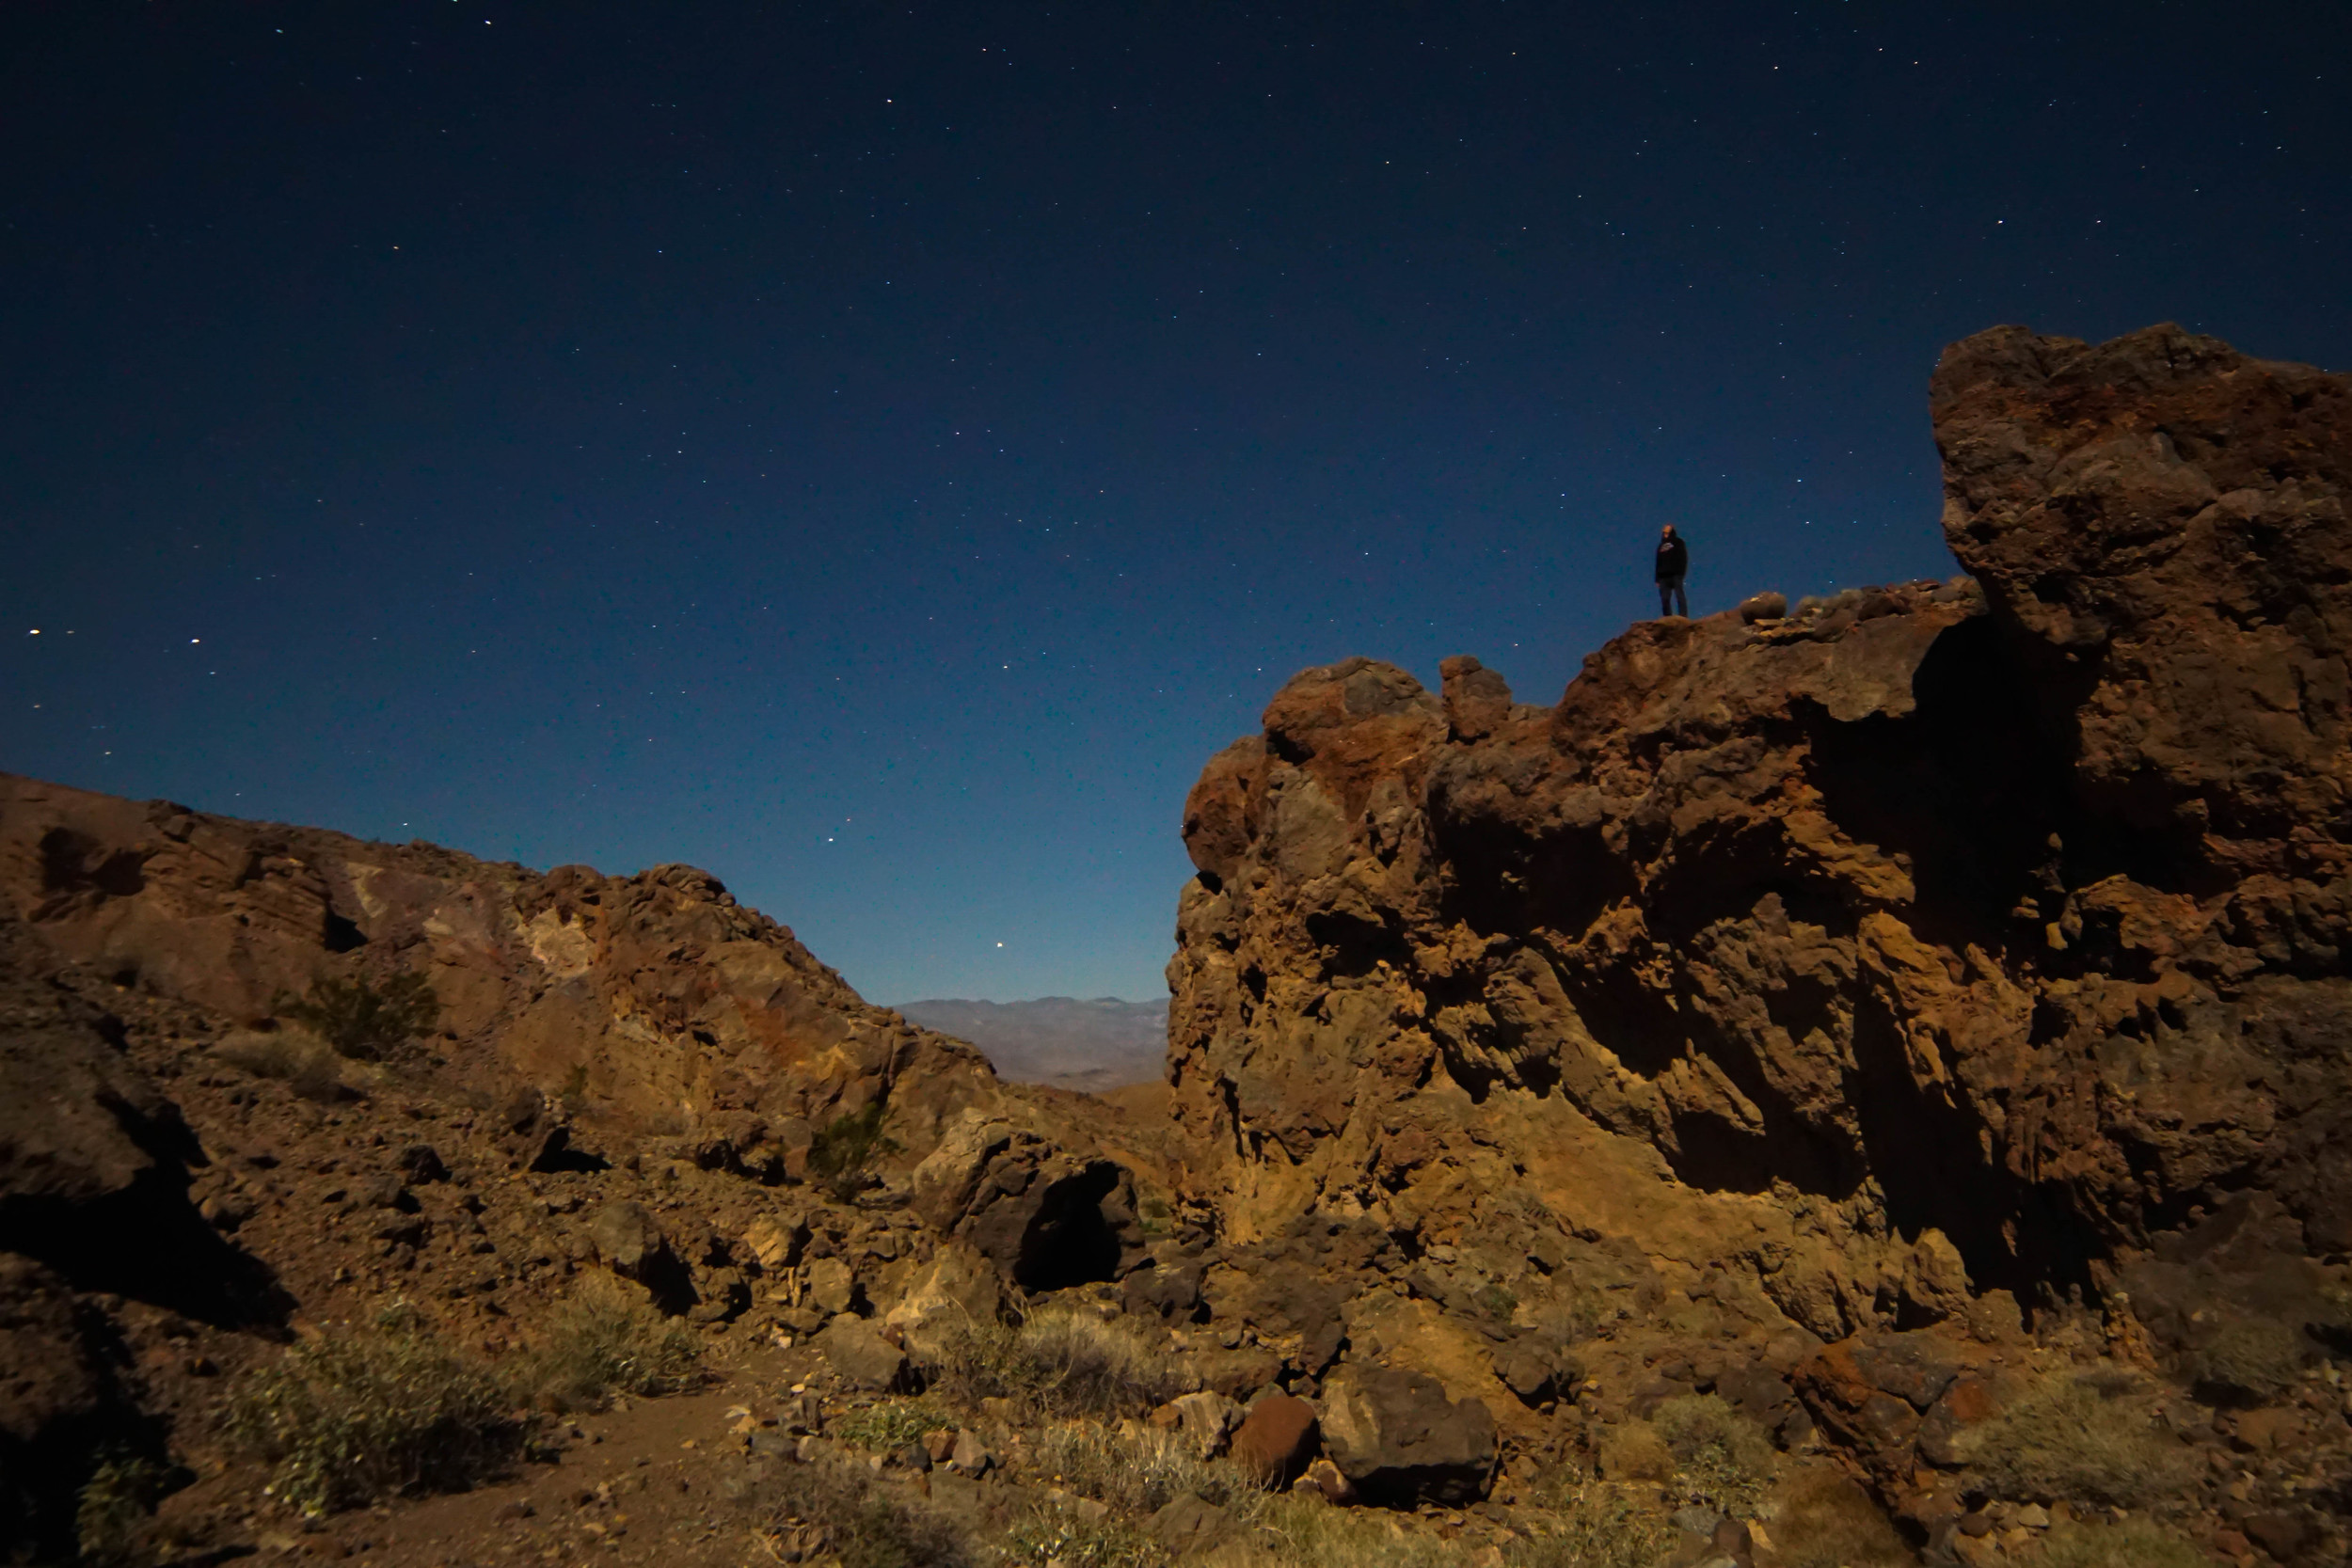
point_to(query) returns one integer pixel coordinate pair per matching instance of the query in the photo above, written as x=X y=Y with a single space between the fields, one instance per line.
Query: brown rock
x=1399 y=1439
x=1857 y=908
x=1323 y=1478
x=1276 y=1439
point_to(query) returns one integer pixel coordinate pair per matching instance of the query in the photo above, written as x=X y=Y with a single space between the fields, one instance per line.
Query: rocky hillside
x=1856 y=1084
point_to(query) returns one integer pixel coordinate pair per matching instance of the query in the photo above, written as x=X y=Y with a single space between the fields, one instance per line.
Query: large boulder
x=1049 y=1218
x=1400 y=1440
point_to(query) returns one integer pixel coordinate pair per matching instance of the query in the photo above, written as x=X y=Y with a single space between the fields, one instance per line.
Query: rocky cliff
x=1941 y=954
x=1900 y=1041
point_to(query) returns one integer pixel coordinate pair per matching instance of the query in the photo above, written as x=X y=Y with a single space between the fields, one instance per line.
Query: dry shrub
x=1593 y=1526
x=1721 y=1459
x=834 y=1507
x=1306 y=1532
x=1055 y=1535
x=2090 y=1437
x=355 y=1414
x=1634 y=1452
x=1057 y=1364
x=298 y=1058
x=2248 y=1359
x=1141 y=1471
x=2133 y=1543
x=366 y=1022
x=604 y=1339
x=1827 y=1521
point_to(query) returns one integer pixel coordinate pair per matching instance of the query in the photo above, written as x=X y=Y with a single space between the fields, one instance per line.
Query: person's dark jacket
x=1674 y=559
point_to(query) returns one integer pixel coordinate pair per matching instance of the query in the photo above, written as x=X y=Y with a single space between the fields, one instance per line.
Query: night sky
x=878 y=453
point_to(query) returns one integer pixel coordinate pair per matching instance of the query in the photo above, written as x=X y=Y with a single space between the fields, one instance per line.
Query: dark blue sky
x=878 y=452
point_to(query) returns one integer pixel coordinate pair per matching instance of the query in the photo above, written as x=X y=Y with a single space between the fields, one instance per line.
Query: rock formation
x=1822 y=1040
x=1935 y=954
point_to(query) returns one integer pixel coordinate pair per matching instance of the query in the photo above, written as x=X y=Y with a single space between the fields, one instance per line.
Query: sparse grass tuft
x=298 y=1058
x=2090 y=1437
x=841 y=1155
x=2133 y=1543
x=1301 y=1532
x=355 y=1414
x=890 y=1424
x=2247 y=1360
x=365 y=1023
x=1634 y=1452
x=604 y=1339
x=835 y=1507
x=1055 y=1535
x=1827 y=1521
x=1142 y=1472
x=1593 y=1526
x=1058 y=1364
x=1721 y=1459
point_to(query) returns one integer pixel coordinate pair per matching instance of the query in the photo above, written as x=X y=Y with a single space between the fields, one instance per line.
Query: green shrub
x=355 y=1414
x=1055 y=1535
x=839 y=1156
x=605 y=1340
x=1058 y=1363
x=2248 y=1359
x=1721 y=1459
x=363 y=1022
x=890 y=1424
x=2133 y=1543
x=2090 y=1437
x=1592 y=1526
x=1141 y=1471
x=1826 y=1521
x=834 y=1507
x=114 y=1504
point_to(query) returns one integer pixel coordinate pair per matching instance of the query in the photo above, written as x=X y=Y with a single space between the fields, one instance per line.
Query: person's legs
x=1683 y=601
x=1670 y=599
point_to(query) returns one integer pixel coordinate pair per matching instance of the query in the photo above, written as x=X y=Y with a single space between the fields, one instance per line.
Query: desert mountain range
x=1095 y=1044
x=1863 y=1082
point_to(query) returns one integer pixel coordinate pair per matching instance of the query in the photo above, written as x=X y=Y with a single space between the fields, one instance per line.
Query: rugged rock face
x=657 y=997
x=1930 y=954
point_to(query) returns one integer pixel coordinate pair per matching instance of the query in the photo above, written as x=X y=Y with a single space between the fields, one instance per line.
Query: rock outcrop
x=1932 y=954
x=656 y=998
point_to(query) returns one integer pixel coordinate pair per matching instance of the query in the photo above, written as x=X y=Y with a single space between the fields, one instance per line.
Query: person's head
x=1666 y=532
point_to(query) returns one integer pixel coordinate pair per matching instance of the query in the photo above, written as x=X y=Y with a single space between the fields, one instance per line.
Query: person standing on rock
x=1674 y=559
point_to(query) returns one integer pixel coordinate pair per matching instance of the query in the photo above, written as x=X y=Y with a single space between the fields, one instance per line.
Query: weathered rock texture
x=657 y=997
x=1937 y=941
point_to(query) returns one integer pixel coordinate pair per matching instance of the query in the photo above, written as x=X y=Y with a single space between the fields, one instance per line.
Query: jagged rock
x=1189 y=1524
x=971 y=1456
x=628 y=1241
x=1399 y=1440
x=1206 y=1418
x=831 y=1285
x=956 y=1291
x=1048 y=1218
x=1763 y=607
x=1999 y=926
x=1323 y=1478
x=862 y=1357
